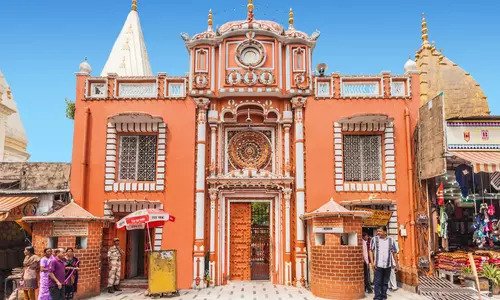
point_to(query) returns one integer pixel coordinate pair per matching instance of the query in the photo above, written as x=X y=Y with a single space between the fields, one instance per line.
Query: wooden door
x=240 y=222
x=132 y=253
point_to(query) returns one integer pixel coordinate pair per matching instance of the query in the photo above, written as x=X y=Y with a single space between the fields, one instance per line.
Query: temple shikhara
x=246 y=152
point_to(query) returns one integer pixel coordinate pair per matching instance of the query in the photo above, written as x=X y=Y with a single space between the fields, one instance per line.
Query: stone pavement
x=252 y=290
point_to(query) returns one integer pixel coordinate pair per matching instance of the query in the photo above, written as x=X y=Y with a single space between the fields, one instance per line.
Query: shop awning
x=482 y=161
x=9 y=202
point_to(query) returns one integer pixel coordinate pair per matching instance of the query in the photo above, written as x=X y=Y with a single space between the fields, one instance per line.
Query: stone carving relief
x=249 y=149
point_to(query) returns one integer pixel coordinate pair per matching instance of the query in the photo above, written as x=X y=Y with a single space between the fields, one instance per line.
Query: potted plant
x=466 y=278
x=492 y=273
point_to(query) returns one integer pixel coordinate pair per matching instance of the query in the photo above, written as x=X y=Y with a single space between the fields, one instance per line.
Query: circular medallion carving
x=250 y=53
x=234 y=78
x=249 y=149
x=201 y=81
x=250 y=78
x=266 y=78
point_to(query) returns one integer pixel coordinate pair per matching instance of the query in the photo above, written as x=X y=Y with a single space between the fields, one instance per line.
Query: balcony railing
x=135 y=88
x=378 y=86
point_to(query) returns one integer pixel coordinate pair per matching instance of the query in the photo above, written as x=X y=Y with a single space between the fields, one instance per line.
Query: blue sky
x=43 y=42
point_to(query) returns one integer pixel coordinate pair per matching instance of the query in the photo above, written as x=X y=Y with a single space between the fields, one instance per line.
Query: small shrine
x=73 y=227
x=336 y=257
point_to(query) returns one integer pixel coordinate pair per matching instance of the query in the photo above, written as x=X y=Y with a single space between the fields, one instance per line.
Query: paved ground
x=244 y=290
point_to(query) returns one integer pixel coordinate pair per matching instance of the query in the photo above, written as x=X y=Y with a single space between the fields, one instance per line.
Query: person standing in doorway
x=383 y=259
x=43 y=292
x=366 y=264
x=29 y=282
x=56 y=275
x=115 y=264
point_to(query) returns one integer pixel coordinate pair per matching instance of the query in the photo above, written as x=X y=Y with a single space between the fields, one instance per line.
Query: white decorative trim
x=111 y=183
x=197 y=56
x=330 y=84
x=304 y=60
x=388 y=184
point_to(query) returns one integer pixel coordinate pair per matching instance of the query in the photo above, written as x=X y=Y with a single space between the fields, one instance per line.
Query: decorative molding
x=111 y=182
x=137 y=90
x=388 y=184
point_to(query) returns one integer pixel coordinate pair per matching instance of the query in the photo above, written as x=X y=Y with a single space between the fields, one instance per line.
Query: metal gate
x=260 y=241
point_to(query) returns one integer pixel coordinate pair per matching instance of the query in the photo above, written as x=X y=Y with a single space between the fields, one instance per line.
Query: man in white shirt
x=383 y=259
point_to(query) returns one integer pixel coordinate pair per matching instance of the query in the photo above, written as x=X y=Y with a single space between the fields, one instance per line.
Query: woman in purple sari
x=43 y=292
x=71 y=274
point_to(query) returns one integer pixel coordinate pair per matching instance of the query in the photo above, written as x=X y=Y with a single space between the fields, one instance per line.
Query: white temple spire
x=129 y=56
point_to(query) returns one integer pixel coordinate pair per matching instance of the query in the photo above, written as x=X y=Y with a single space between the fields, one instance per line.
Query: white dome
x=85 y=67
x=410 y=66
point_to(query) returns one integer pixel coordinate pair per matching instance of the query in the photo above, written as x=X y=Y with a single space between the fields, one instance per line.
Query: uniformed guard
x=114 y=258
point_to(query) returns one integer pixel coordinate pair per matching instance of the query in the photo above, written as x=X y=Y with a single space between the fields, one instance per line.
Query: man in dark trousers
x=56 y=275
x=366 y=263
x=383 y=259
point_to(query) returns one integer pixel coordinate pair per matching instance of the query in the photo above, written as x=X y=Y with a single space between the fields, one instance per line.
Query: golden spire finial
x=290 y=18
x=250 y=8
x=210 y=20
x=425 y=35
x=134 y=5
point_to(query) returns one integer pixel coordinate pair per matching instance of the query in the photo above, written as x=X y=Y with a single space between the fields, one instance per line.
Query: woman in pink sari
x=43 y=292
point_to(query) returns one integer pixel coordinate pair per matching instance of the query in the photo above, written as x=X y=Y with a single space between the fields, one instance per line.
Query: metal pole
x=149 y=237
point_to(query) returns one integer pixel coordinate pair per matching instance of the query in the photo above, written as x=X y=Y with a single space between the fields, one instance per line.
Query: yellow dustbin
x=162 y=275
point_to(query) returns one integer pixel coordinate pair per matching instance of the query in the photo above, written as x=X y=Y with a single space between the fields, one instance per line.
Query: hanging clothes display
x=463 y=175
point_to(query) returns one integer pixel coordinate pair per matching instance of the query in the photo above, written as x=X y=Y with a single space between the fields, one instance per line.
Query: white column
x=213 y=197
x=287 y=194
x=199 y=247
x=298 y=104
x=287 y=149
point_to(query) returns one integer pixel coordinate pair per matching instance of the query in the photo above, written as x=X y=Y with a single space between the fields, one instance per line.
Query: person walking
x=71 y=274
x=366 y=264
x=43 y=291
x=114 y=258
x=56 y=275
x=29 y=282
x=383 y=259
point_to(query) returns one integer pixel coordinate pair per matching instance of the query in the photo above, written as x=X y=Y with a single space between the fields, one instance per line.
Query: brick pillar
x=336 y=270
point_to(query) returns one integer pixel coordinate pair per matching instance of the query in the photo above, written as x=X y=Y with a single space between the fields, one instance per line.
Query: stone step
x=134 y=283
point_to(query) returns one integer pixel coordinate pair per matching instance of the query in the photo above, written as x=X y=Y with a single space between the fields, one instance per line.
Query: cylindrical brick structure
x=73 y=227
x=336 y=264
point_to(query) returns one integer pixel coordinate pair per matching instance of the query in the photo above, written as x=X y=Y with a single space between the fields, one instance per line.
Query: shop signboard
x=378 y=217
x=473 y=135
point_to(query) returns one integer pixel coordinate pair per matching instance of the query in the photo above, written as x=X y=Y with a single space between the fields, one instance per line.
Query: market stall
x=467 y=216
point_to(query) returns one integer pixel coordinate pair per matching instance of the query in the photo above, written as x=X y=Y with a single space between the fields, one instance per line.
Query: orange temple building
x=240 y=149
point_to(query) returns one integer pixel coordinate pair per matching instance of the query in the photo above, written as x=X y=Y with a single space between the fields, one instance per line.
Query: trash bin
x=162 y=275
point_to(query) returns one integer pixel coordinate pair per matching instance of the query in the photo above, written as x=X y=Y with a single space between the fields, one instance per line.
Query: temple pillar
x=211 y=265
x=298 y=104
x=199 y=247
x=287 y=195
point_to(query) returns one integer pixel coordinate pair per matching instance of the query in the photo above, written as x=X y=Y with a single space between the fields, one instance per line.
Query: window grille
x=176 y=89
x=138 y=158
x=323 y=89
x=362 y=158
